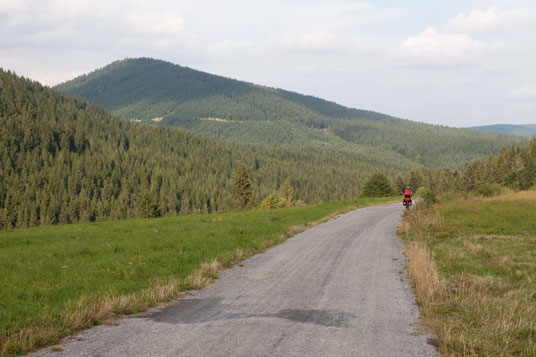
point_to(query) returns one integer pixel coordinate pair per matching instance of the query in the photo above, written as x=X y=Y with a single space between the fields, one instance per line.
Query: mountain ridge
x=527 y=130
x=215 y=81
x=145 y=88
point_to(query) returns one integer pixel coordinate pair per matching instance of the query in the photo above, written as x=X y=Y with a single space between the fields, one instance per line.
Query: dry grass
x=496 y=312
x=474 y=248
x=420 y=221
x=494 y=237
x=489 y=320
x=202 y=277
x=239 y=255
x=513 y=196
x=423 y=272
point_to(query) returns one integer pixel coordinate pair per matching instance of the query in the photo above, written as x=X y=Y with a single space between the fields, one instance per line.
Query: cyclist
x=407 y=196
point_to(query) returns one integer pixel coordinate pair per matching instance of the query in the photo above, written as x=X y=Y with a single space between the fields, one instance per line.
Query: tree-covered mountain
x=527 y=130
x=64 y=160
x=167 y=94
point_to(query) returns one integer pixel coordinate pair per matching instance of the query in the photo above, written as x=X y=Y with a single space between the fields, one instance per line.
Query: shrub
x=274 y=201
x=426 y=194
x=377 y=186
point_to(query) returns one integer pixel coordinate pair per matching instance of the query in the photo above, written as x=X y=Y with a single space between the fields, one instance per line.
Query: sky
x=457 y=63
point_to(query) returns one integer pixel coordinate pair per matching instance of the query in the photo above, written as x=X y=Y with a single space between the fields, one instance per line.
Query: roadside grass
x=473 y=263
x=57 y=280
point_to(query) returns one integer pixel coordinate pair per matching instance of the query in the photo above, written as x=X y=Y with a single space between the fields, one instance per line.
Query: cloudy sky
x=456 y=62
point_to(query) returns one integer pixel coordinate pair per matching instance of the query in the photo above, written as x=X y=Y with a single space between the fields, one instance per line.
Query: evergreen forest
x=162 y=93
x=528 y=130
x=513 y=167
x=64 y=160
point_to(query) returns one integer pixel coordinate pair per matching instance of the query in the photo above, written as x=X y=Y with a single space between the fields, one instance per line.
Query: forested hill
x=528 y=130
x=64 y=160
x=167 y=94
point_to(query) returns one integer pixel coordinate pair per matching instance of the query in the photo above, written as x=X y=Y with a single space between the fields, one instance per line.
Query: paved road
x=338 y=289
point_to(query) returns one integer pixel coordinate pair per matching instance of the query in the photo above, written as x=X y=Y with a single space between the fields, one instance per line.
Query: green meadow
x=53 y=277
x=479 y=290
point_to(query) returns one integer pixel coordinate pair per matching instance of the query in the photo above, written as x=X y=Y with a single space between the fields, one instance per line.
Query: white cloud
x=314 y=42
x=96 y=24
x=66 y=9
x=357 y=44
x=489 y=20
x=356 y=8
x=227 y=50
x=155 y=23
x=527 y=91
x=434 y=48
x=54 y=77
x=324 y=42
x=485 y=67
x=307 y=68
x=7 y=6
x=231 y=45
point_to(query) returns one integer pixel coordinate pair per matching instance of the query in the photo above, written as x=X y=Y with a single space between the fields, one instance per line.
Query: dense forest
x=146 y=89
x=528 y=130
x=513 y=167
x=64 y=160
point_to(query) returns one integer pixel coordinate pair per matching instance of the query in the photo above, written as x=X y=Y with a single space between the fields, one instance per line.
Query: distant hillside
x=528 y=130
x=166 y=94
x=64 y=160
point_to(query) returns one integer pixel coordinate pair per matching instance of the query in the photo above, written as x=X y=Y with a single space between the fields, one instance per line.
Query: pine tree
x=491 y=174
x=469 y=179
x=242 y=187
x=399 y=184
x=149 y=205
x=286 y=191
x=415 y=179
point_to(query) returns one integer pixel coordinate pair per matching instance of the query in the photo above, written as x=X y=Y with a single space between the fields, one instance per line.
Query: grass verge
x=60 y=279
x=473 y=264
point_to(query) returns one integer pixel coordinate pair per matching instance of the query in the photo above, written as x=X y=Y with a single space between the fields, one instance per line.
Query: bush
x=377 y=186
x=274 y=201
x=426 y=194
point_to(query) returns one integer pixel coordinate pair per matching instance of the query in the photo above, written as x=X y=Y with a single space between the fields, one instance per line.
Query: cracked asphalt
x=337 y=289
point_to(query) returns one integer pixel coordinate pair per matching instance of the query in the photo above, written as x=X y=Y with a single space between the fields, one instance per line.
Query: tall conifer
x=242 y=187
x=286 y=191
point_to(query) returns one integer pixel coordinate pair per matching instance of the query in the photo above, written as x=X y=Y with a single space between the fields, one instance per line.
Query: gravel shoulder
x=337 y=289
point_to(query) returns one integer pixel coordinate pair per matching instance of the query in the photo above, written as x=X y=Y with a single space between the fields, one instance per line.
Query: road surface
x=337 y=289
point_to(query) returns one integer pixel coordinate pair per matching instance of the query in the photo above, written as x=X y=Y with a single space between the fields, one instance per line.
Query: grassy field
x=59 y=279
x=473 y=262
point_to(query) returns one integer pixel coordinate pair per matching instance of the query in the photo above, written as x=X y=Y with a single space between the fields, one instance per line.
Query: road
x=337 y=289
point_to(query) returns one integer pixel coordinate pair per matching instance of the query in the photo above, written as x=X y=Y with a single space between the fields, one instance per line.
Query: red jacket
x=407 y=192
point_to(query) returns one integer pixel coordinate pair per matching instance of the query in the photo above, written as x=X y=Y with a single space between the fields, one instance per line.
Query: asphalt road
x=338 y=289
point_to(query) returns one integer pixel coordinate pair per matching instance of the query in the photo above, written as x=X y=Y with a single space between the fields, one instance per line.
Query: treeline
x=145 y=88
x=64 y=160
x=513 y=167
